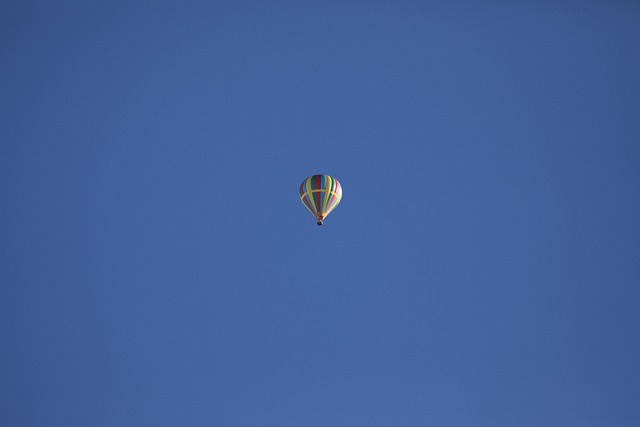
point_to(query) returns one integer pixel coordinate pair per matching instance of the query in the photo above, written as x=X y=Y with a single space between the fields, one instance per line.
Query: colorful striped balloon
x=320 y=194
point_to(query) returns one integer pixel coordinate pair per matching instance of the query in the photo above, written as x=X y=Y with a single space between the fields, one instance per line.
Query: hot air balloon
x=320 y=194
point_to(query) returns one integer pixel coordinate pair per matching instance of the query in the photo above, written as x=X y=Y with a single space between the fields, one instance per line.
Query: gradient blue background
x=158 y=268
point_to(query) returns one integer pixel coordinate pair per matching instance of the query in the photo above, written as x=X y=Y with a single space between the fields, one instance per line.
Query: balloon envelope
x=320 y=194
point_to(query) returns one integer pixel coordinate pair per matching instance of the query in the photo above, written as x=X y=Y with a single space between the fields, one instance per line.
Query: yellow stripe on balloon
x=327 y=196
x=311 y=199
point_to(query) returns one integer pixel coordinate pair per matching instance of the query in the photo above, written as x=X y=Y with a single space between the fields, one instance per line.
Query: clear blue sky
x=158 y=268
